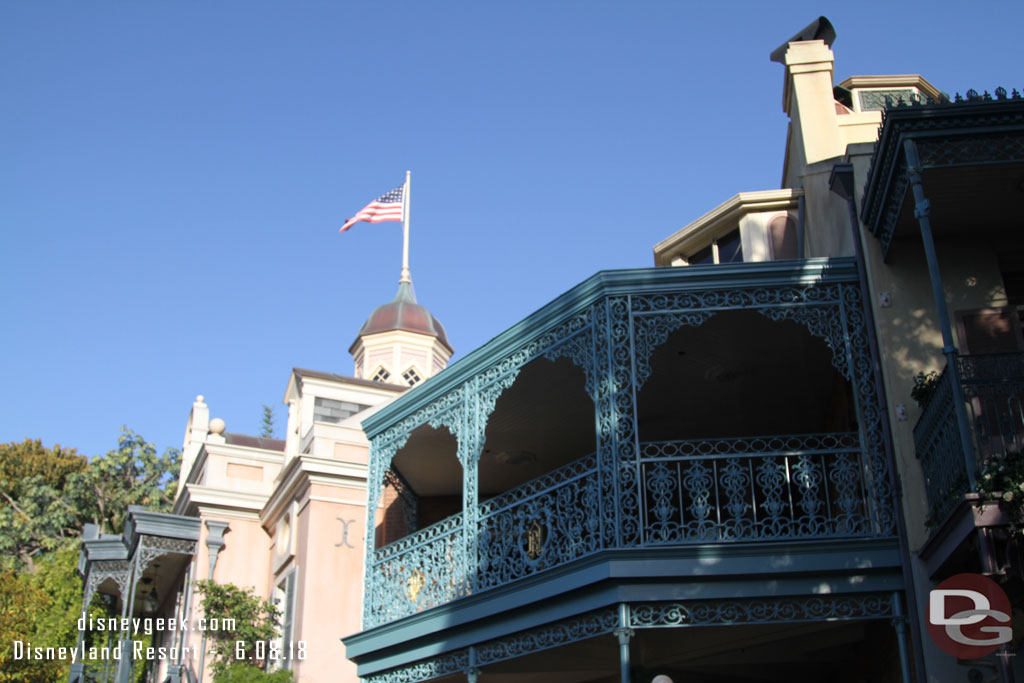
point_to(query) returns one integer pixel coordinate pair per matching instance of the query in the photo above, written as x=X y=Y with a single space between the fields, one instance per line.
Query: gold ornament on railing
x=414 y=584
x=534 y=540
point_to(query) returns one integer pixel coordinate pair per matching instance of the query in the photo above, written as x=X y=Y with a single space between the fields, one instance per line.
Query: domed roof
x=403 y=313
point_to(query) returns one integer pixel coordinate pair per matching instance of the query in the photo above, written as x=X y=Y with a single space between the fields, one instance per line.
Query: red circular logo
x=969 y=616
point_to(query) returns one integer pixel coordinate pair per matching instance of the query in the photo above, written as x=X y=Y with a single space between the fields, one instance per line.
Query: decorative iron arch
x=832 y=312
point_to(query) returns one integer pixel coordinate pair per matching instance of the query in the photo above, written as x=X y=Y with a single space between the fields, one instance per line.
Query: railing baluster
x=992 y=385
x=693 y=491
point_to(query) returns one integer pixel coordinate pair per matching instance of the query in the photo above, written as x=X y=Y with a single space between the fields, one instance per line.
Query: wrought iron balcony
x=618 y=426
x=730 y=490
x=993 y=389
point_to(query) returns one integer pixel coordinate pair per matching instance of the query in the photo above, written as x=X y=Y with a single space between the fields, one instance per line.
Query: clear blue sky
x=174 y=174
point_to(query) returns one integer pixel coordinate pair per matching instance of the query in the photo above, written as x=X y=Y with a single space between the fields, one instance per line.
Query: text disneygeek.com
x=149 y=626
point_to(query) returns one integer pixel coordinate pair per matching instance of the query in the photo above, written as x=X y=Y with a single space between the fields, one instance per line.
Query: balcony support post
x=842 y=182
x=624 y=634
x=471 y=445
x=124 y=670
x=899 y=624
x=921 y=212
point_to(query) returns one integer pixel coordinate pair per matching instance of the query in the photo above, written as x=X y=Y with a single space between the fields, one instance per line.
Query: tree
x=40 y=608
x=49 y=493
x=234 y=649
x=20 y=604
x=267 y=429
x=37 y=516
x=131 y=474
x=244 y=673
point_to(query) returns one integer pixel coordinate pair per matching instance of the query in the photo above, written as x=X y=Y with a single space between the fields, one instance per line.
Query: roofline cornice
x=304 y=470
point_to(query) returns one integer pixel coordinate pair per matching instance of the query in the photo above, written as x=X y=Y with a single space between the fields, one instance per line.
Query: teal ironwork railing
x=632 y=495
x=699 y=491
x=751 y=489
x=937 y=443
x=993 y=389
x=422 y=570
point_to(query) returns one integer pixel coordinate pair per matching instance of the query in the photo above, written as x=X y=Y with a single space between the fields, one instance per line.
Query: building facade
x=283 y=517
x=714 y=470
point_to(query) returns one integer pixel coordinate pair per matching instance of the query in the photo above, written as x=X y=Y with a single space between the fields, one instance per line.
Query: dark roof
x=345 y=379
x=254 y=441
x=403 y=313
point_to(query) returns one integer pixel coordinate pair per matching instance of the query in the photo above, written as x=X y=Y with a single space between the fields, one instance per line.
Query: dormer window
x=411 y=376
x=382 y=375
x=726 y=249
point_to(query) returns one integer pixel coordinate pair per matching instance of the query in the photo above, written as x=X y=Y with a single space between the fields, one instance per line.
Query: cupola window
x=411 y=376
x=382 y=374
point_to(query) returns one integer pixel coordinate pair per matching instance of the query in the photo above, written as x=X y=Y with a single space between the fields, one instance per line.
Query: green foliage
x=36 y=516
x=56 y=574
x=19 y=461
x=924 y=386
x=1002 y=479
x=47 y=495
x=20 y=604
x=41 y=608
x=50 y=493
x=255 y=620
x=131 y=474
x=245 y=673
x=267 y=426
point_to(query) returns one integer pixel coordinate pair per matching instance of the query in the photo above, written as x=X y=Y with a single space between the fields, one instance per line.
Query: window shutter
x=782 y=232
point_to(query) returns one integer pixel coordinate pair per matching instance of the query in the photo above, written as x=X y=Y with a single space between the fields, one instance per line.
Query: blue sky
x=174 y=174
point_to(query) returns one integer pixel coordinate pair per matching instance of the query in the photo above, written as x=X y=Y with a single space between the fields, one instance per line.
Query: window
x=382 y=374
x=990 y=330
x=726 y=249
x=705 y=255
x=411 y=376
x=284 y=597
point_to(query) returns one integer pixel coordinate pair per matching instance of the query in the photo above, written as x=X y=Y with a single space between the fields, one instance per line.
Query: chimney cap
x=819 y=29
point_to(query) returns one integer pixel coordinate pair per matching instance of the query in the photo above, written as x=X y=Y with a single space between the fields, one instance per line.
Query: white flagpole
x=406 y=276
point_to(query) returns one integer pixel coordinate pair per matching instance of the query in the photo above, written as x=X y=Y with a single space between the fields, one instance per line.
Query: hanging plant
x=1002 y=480
x=924 y=386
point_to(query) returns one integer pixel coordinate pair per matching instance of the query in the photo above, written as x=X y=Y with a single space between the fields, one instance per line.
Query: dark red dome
x=403 y=313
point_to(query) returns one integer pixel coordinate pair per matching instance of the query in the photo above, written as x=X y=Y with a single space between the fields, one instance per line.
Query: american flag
x=387 y=207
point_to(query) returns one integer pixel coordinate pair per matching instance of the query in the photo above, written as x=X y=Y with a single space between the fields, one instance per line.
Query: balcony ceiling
x=784 y=653
x=738 y=374
x=545 y=420
x=973 y=201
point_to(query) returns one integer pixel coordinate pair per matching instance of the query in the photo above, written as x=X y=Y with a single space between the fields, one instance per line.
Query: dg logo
x=969 y=616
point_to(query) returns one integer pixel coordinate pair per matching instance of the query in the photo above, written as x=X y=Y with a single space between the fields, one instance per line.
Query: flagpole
x=406 y=276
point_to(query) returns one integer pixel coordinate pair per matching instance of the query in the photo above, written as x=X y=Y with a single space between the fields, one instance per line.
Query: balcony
x=652 y=436
x=730 y=490
x=993 y=389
